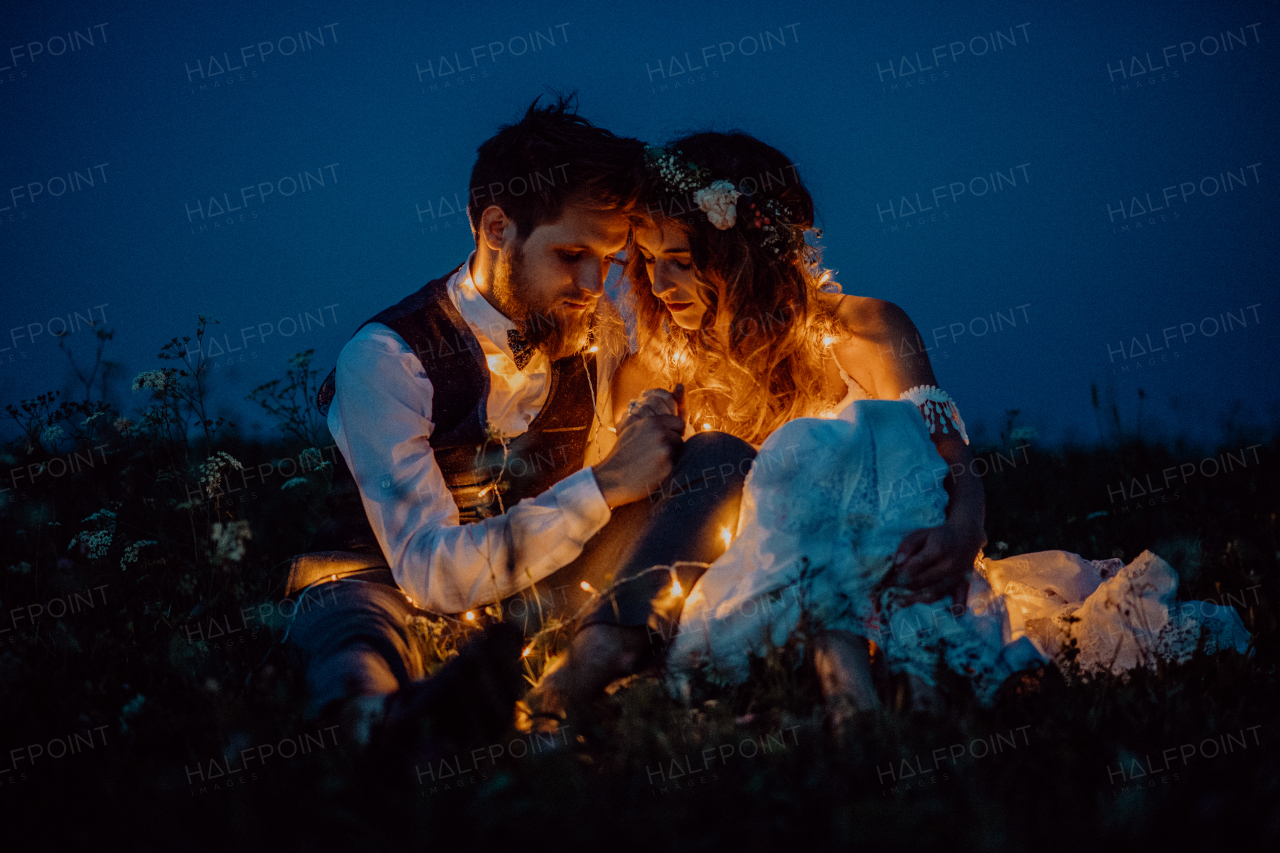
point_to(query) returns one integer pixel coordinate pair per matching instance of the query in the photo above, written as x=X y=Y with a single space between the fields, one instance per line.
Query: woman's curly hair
x=759 y=280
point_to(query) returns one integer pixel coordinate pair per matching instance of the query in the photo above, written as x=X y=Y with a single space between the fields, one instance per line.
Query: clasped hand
x=649 y=437
x=935 y=562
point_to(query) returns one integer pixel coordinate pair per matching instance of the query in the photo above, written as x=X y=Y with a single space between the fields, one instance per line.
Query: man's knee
x=716 y=449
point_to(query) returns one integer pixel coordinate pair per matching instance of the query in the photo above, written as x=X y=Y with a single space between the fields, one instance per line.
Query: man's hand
x=935 y=562
x=648 y=439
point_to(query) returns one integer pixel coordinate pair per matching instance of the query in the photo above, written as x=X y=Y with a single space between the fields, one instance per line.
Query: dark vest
x=484 y=476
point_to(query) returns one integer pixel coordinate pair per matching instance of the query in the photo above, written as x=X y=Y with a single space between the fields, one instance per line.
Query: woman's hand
x=935 y=562
x=654 y=401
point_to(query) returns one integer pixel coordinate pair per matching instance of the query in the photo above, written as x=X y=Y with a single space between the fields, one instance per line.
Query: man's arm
x=383 y=411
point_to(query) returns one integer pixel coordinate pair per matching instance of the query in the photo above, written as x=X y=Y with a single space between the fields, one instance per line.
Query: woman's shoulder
x=868 y=318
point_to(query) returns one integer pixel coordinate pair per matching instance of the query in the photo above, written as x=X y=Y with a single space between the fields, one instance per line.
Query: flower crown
x=719 y=200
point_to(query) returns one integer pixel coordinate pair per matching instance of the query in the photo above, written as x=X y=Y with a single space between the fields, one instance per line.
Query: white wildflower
x=154 y=379
x=214 y=467
x=97 y=541
x=294 y=483
x=229 y=540
x=131 y=553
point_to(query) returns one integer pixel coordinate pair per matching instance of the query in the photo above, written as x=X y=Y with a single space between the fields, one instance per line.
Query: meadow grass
x=170 y=561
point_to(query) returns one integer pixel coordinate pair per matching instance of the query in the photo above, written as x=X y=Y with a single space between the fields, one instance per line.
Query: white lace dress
x=825 y=507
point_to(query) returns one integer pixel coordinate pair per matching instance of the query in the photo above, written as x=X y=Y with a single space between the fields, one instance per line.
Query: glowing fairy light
x=586 y=587
x=725 y=536
x=528 y=650
x=827 y=340
x=676 y=588
x=706 y=427
x=471 y=616
x=824 y=278
x=495 y=361
x=593 y=348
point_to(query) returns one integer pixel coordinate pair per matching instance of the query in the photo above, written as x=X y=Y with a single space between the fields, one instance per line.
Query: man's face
x=551 y=282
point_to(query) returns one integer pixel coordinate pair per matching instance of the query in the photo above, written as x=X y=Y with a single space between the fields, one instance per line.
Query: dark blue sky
x=364 y=114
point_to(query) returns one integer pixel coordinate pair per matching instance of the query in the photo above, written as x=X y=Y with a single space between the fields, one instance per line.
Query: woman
x=860 y=515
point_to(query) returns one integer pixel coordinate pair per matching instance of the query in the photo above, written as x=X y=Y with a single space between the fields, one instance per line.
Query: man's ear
x=496 y=228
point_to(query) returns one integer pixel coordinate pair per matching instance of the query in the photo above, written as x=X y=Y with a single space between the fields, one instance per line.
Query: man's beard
x=548 y=327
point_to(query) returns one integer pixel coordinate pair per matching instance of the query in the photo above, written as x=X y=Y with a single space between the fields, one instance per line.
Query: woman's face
x=665 y=253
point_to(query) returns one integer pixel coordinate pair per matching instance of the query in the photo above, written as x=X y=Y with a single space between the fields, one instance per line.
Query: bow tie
x=521 y=349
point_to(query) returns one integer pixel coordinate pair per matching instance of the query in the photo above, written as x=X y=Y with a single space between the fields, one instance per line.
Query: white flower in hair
x=719 y=203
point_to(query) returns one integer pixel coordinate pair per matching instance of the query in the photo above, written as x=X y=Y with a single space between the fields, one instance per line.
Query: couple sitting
x=506 y=448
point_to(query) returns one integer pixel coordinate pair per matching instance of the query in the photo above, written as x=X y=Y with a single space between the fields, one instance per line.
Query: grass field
x=146 y=697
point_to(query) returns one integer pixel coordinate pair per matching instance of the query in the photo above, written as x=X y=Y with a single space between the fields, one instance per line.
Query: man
x=473 y=420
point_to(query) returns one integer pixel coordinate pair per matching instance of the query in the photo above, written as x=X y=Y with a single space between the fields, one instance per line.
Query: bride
x=861 y=516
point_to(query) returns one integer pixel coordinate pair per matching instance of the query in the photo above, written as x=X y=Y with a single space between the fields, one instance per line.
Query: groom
x=477 y=455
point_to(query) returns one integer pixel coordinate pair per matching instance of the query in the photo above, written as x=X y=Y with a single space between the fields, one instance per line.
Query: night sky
x=1057 y=196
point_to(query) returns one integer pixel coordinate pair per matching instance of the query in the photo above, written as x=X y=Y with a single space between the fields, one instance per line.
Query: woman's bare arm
x=883 y=351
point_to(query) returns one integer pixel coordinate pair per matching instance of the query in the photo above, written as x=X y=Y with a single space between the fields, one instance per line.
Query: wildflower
x=154 y=379
x=311 y=460
x=131 y=553
x=51 y=434
x=96 y=542
x=229 y=540
x=1024 y=434
x=294 y=483
x=211 y=471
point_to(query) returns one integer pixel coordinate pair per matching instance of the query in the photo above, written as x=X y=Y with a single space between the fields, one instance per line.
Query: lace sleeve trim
x=937 y=407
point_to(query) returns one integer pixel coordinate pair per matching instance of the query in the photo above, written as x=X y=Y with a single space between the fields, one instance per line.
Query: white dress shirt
x=381 y=419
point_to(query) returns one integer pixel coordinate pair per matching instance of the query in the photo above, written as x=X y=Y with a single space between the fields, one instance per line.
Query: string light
x=706 y=427
x=593 y=348
x=587 y=587
x=676 y=589
x=528 y=650
x=827 y=340
x=471 y=616
x=725 y=536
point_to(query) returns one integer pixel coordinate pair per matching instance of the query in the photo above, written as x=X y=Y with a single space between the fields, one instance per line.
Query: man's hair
x=550 y=159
